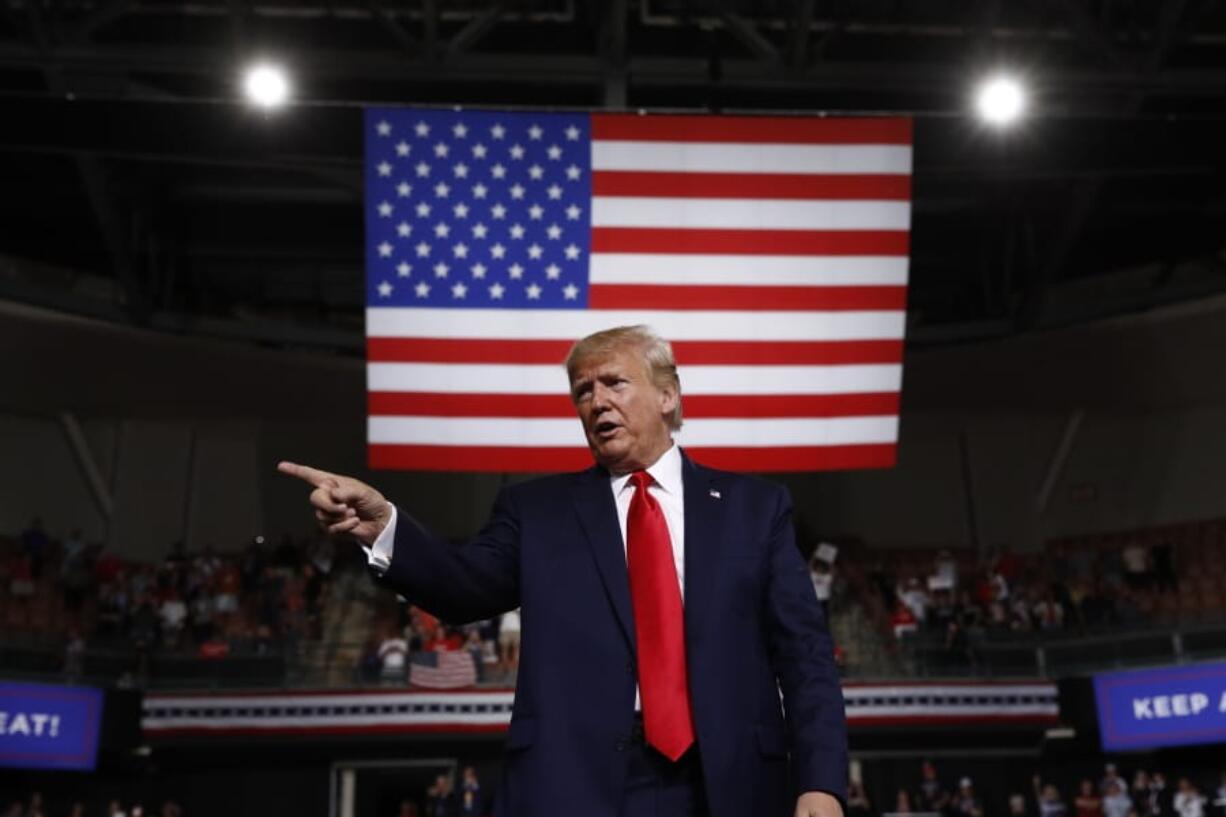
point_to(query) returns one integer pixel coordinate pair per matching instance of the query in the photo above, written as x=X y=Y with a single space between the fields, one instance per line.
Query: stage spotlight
x=1001 y=100
x=266 y=85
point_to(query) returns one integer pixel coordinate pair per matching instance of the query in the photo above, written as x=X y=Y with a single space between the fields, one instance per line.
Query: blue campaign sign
x=1172 y=706
x=49 y=727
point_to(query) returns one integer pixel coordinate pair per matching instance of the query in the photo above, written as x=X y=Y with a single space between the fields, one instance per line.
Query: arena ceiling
x=139 y=187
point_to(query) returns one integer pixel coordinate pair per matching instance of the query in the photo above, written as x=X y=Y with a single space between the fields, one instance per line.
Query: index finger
x=306 y=473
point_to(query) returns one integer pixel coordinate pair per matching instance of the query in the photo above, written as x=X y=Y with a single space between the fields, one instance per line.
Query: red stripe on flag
x=516 y=460
x=432 y=404
x=688 y=352
x=751 y=129
x=751 y=185
x=647 y=296
x=750 y=242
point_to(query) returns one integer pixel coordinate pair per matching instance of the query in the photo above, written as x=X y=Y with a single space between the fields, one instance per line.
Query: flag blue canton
x=477 y=209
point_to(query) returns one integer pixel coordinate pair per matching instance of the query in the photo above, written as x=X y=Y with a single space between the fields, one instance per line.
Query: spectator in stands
x=1087 y=802
x=945 y=570
x=172 y=615
x=508 y=641
x=1136 y=565
x=822 y=576
x=1047 y=798
x=470 y=800
x=1160 y=799
x=931 y=795
x=1017 y=806
x=858 y=804
x=916 y=598
x=393 y=655
x=1219 y=798
x=1047 y=614
x=903 y=620
x=1189 y=802
x=1140 y=793
x=1111 y=774
x=1116 y=802
x=35 y=807
x=440 y=798
x=965 y=803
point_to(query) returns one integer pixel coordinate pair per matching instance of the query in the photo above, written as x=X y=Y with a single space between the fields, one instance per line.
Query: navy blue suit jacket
x=753 y=628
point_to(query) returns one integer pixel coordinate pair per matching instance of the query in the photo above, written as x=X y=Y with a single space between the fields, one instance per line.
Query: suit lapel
x=704 y=526
x=598 y=515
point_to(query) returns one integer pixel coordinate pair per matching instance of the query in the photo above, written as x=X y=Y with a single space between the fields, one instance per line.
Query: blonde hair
x=654 y=351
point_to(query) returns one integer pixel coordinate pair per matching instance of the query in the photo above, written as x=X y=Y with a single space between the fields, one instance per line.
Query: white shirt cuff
x=379 y=555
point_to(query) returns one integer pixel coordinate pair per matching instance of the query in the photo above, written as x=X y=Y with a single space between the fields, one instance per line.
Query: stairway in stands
x=346 y=622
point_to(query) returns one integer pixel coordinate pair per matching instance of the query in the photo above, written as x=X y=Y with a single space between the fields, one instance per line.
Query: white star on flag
x=517 y=152
x=516 y=271
x=498 y=251
x=572 y=172
x=536 y=171
x=555 y=192
x=572 y=133
x=404 y=190
x=552 y=272
x=555 y=152
x=572 y=252
x=517 y=231
x=478 y=270
x=534 y=252
x=423 y=210
x=385 y=209
x=404 y=229
x=441 y=190
x=460 y=131
x=423 y=249
x=479 y=151
x=460 y=250
x=384 y=128
x=534 y=132
x=423 y=169
x=441 y=270
x=498 y=171
x=385 y=250
x=402 y=148
x=498 y=131
x=404 y=269
x=535 y=212
x=460 y=171
x=440 y=150
x=479 y=191
x=422 y=289
x=384 y=169
x=422 y=129
x=573 y=212
x=459 y=289
x=534 y=292
x=442 y=229
x=498 y=211
x=460 y=210
x=517 y=191
x=479 y=230
x=570 y=291
x=385 y=290
x=496 y=291
x=554 y=231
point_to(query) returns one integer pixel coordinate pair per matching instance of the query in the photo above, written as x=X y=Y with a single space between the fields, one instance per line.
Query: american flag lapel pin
x=714 y=493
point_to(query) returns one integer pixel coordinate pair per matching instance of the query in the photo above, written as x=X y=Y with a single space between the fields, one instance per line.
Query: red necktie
x=658 y=624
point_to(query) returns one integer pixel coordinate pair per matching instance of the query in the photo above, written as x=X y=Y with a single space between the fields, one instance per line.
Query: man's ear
x=668 y=399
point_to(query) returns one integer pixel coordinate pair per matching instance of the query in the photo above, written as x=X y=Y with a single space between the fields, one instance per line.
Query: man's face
x=624 y=414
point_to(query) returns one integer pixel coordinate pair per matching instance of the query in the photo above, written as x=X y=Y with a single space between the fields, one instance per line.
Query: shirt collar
x=666 y=472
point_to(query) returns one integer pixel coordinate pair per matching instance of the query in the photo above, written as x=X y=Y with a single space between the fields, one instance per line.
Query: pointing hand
x=343 y=504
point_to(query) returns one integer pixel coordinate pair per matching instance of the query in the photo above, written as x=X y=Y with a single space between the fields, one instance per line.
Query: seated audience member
x=902 y=802
x=470 y=802
x=1219 y=798
x=1140 y=793
x=440 y=798
x=508 y=640
x=903 y=620
x=916 y=598
x=393 y=655
x=1136 y=565
x=1160 y=797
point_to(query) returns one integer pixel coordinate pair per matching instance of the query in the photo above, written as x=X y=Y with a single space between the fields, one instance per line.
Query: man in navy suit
x=665 y=607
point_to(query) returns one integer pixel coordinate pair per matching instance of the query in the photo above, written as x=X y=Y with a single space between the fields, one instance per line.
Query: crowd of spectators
x=33 y=805
x=1149 y=793
x=207 y=604
x=490 y=648
x=1077 y=586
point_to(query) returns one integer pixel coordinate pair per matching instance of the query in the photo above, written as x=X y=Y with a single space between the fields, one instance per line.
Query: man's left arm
x=803 y=656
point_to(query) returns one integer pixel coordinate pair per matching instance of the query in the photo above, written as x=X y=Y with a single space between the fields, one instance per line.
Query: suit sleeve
x=475 y=580
x=802 y=652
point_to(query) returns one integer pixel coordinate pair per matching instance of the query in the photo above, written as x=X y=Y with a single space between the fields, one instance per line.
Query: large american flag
x=771 y=251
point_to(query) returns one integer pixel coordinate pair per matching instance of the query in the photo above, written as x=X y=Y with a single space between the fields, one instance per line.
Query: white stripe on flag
x=572 y=324
x=717 y=157
x=758 y=214
x=468 y=378
x=748 y=270
x=550 y=432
